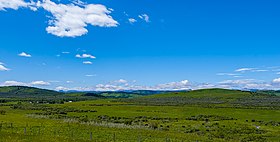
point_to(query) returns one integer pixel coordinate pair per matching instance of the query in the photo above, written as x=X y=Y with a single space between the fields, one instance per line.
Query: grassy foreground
x=202 y=115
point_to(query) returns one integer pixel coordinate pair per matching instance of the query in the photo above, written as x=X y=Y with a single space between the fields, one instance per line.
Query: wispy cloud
x=85 y=56
x=87 y=62
x=23 y=54
x=144 y=17
x=90 y=75
x=132 y=20
x=2 y=67
x=244 y=69
x=260 y=70
x=69 y=81
x=227 y=74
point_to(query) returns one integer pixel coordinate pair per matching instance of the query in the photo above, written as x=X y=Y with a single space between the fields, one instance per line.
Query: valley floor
x=128 y=120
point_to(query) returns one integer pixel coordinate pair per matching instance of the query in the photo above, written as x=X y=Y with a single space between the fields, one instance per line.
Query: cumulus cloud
x=14 y=83
x=23 y=54
x=61 y=88
x=87 y=62
x=185 y=82
x=121 y=81
x=277 y=80
x=144 y=17
x=181 y=85
x=85 y=56
x=2 y=67
x=71 y=20
x=68 y=20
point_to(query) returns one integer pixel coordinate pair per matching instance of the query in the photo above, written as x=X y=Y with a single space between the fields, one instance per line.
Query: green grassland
x=201 y=115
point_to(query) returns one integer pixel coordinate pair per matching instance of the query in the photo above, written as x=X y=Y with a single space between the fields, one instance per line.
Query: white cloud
x=90 y=75
x=14 y=83
x=227 y=74
x=59 y=88
x=71 y=20
x=78 y=2
x=2 y=67
x=17 y=83
x=260 y=70
x=181 y=85
x=87 y=62
x=185 y=82
x=85 y=56
x=132 y=20
x=23 y=54
x=41 y=83
x=54 y=81
x=277 y=80
x=258 y=86
x=243 y=84
x=126 y=85
x=65 y=52
x=144 y=17
x=251 y=70
x=244 y=69
x=238 y=82
x=247 y=84
x=121 y=81
x=12 y=4
x=69 y=81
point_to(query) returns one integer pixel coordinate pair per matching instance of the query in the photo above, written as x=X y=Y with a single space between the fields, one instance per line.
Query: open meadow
x=202 y=115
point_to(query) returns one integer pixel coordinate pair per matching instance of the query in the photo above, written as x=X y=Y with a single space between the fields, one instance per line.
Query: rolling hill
x=32 y=94
x=211 y=97
x=18 y=91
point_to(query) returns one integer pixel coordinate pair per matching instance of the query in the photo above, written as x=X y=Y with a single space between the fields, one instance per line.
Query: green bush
x=2 y=112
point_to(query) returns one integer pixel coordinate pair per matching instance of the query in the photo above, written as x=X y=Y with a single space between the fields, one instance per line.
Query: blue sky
x=140 y=44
